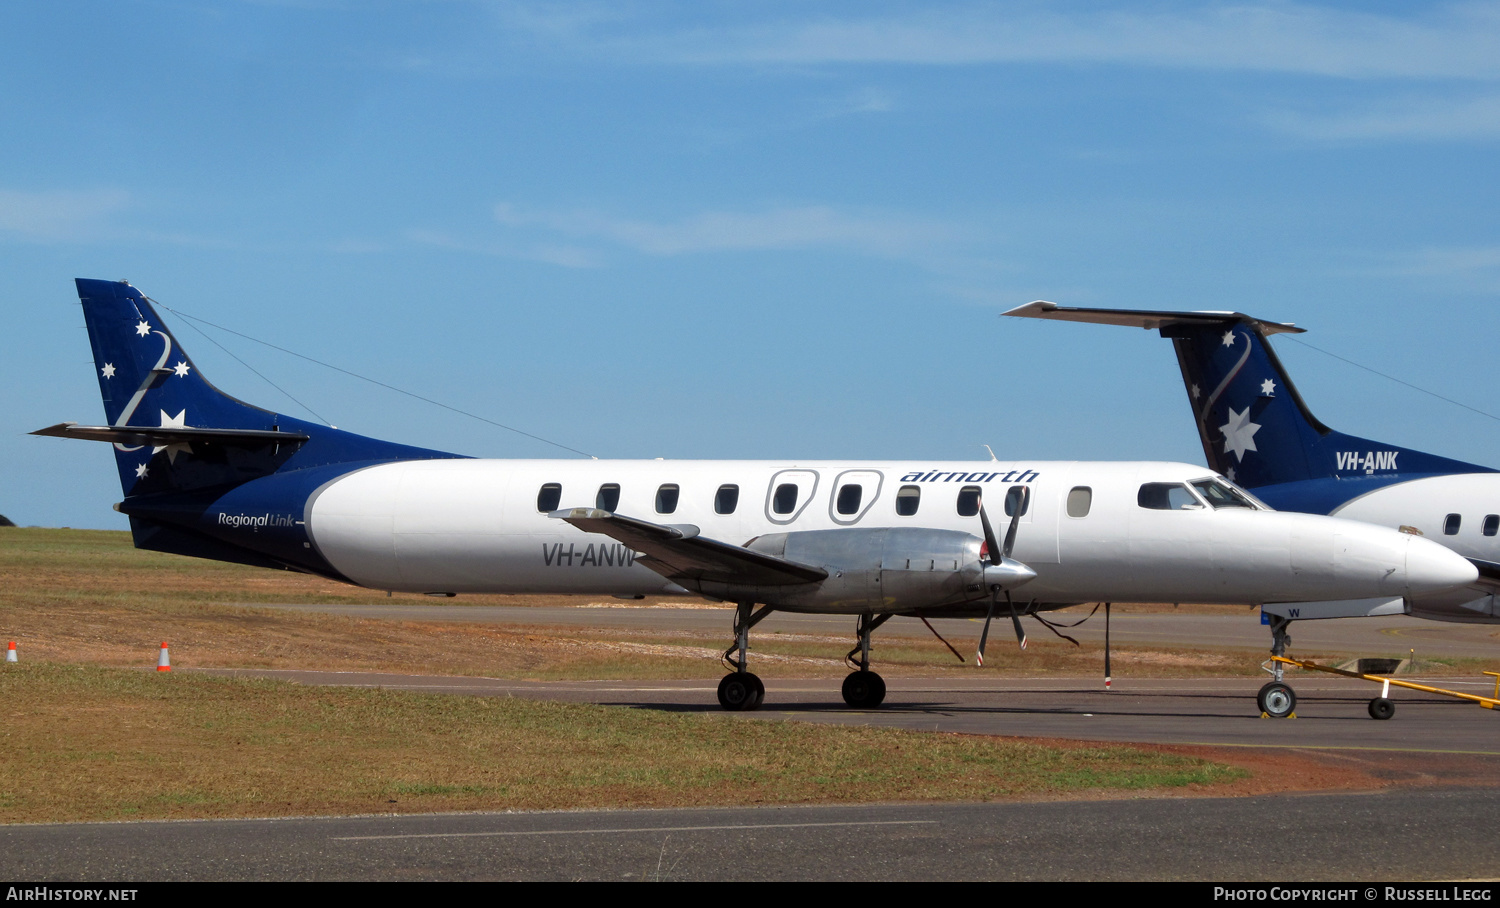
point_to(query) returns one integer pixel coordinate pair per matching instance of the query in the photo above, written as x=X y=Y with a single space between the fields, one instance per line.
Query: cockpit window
x=1166 y=496
x=1221 y=494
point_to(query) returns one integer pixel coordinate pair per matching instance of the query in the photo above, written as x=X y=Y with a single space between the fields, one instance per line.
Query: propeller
x=1001 y=572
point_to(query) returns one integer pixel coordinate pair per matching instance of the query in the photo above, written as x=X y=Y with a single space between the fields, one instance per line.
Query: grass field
x=91 y=733
x=90 y=743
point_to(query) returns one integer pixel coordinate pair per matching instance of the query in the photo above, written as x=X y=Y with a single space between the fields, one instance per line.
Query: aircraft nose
x=1431 y=568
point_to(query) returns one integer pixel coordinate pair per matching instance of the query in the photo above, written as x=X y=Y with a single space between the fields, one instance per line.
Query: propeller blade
x=992 y=546
x=1014 y=618
x=984 y=636
x=1015 y=519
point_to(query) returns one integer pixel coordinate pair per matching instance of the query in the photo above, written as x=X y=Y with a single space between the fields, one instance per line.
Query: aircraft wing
x=168 y=435
x=1145 y=318
x=679 y=553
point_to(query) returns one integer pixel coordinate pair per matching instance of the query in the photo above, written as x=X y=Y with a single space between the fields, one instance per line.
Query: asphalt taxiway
x=1403 y=835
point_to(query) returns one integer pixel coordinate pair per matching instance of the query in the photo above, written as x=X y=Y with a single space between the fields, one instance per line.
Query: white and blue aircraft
x=207 y=475
x=1257 y=430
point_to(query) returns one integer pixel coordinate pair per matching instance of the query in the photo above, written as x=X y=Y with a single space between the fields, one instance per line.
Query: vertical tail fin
x=147 y=380
x=1254 y=426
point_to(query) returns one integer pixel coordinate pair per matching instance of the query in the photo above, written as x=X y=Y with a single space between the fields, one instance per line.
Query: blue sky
x=750 y=230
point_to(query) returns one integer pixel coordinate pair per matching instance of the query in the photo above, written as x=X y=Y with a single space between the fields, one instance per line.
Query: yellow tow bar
x=1386 y=683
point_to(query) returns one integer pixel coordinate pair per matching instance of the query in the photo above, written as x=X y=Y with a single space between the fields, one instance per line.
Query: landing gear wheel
x=1382 y=708
x=741 y=691
x=1276 y=700
x=864 y=690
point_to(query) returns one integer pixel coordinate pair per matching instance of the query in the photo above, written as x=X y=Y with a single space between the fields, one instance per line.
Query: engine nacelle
x=893 y=569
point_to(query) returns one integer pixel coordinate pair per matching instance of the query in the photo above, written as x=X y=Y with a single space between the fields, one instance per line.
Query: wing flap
x=680 y=554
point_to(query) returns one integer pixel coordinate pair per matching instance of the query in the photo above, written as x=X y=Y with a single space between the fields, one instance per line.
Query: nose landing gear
x=1277 y=700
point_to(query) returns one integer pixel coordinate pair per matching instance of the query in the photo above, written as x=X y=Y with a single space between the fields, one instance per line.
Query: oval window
x=1079 y=501
x=849 y=497
x=1013 y=495
x=726 y=499
x=968 y=501
x=785 y=499
x=908 y=500
x=549 y=497
x=608 y=498
x=666 y=498
x=1451 y=525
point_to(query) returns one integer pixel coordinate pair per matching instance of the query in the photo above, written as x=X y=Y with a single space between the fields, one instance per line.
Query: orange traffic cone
x=10 y=652
x=163 y=661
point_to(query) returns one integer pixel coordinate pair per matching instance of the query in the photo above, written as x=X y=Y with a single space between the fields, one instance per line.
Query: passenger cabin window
x=727 y=499
x=849 y=497
x=968 y=501
x=666 y=498
x=1450 y=526
x=1079 y=501
x=549 y=497
x=785 y=499
x=1012 y=497
x=1491 y=524
x=608 y=498
x=1222 y=496
x=1166 y=496
x=907 y=500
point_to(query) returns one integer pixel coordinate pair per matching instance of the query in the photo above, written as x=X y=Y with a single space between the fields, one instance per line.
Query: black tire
x=1277 y=700
x=736 y=693
x=1382 y=708
x=864 y=690
x=760 y=692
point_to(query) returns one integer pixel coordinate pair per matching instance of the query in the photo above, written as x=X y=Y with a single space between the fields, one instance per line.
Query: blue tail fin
x=1254 y=426
x=148 y=381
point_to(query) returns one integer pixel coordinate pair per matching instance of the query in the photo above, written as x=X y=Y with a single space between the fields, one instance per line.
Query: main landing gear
x=1276 y=699
x=740 y=690
x=863 y=689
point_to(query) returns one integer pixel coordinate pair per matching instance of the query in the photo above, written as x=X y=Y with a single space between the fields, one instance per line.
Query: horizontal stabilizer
x=170 y=435
x=1146 y=318
x=680 y=555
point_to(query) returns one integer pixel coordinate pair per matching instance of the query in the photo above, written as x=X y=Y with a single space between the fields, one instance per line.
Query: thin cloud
x=1452 y=41
x=60 y=216
x=1420 y=119
x=804 y=227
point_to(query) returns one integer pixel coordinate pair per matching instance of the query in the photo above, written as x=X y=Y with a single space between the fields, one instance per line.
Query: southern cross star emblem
x=141 y=471
x=108 y=371
x=1239 y=433
x=142 y=329
x=1268 y=388
x=1193 y=389
x=1229 y=338
x=173 y=422
x=181 y=369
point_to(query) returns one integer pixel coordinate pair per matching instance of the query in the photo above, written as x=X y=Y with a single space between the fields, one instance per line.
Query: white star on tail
x=173 y=422
x=142 y=329
x=141 y=471
x=1229 y=338
x=1268 y=388
x=181 y=369
x=108 y=371
x=1239 y=433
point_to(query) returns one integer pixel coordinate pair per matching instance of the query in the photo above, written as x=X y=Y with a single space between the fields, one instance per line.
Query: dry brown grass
x=91 y=743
